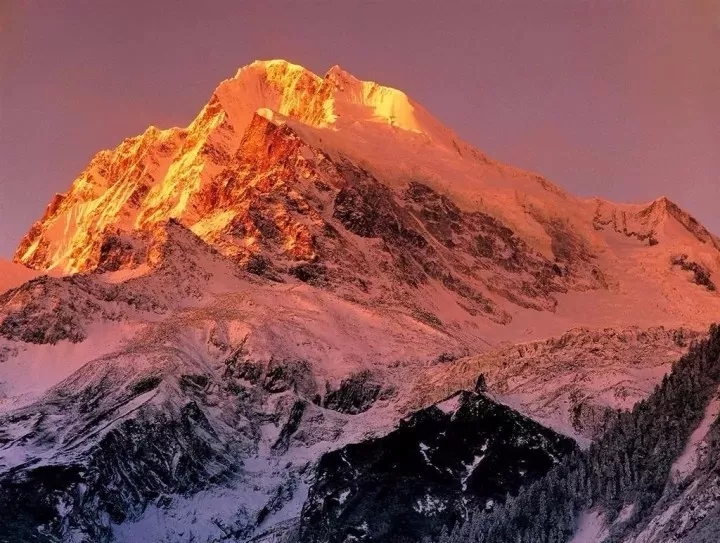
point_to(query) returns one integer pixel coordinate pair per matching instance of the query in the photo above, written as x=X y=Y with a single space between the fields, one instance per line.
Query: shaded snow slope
x=571 y=382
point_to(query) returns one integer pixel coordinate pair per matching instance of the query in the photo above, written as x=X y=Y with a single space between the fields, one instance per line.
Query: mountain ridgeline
x=624 y=474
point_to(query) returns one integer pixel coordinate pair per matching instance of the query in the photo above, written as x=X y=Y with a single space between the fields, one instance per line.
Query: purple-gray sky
x=618 y=98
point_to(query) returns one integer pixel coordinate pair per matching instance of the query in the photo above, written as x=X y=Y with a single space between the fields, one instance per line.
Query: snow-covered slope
x=573 y=382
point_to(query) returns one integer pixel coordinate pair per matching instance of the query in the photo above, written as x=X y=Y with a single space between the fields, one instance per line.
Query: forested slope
x=628 y=469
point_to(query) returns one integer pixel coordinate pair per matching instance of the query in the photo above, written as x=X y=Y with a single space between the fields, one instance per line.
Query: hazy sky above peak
x=616 y=98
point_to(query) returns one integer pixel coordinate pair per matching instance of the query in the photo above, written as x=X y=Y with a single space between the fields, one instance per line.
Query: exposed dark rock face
x=427 y=234
x=262 y=266
x=619 y=225
x=120 y=252
x=439 y=214
x=481 y=384
x=355 y=395
x=443 y=460
x=194 y=382
x=283 y=494
x=427 y=317
x=48 y=309
x=145 y=384
x=591 y=420
x=31 y=500
x=290 y=427
x=690 y=223
x=701 y=275
x=369 y=210
x=287 y=375
x=311 y=273
x=137 y=462
x=275 y=377
x=520 y=274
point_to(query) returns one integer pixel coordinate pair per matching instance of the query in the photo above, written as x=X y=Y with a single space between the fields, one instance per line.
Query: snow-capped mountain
x=210 y=310
x=353 y=186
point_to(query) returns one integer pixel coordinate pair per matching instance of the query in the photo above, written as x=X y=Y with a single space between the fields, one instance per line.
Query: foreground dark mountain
x=463 y=453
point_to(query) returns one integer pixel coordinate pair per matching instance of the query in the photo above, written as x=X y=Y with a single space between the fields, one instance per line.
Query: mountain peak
x=336 y=73
x=272 y=66
x=274 y=62
x=337 y=100
x=664 y=208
